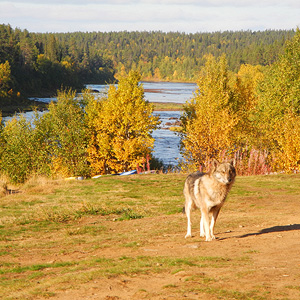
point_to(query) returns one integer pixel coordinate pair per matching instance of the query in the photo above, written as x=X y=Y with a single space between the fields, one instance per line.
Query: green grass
x=9 y=268
x=73 y=232
x=92 y=269
x=125 y=198
x=163 y=106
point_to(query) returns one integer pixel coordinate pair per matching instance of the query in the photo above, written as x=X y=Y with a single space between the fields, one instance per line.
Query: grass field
x=123 y=238
x=165 y=106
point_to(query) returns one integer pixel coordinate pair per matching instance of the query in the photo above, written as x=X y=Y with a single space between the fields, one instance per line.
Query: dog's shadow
x=269 y=230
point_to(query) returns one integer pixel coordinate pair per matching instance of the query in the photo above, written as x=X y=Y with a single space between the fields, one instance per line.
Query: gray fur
x=208 y=192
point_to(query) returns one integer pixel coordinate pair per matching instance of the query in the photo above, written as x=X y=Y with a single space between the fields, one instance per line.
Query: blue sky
x=188 y=16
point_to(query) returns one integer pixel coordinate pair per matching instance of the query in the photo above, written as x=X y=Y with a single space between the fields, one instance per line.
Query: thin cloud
x=165 y=15
x=203 y=3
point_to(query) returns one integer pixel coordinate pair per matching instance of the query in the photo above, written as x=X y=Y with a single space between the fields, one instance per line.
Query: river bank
x=10 y=108
x=27 y=105
x=168 y=100
x=30 y=105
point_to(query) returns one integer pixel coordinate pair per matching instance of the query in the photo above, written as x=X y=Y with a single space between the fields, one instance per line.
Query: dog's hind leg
x=202 y=232
x=188 y=208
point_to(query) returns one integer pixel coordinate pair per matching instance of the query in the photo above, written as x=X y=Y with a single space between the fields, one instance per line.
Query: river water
x=166 y=145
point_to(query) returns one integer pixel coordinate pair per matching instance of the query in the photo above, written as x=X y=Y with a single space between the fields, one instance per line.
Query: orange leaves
x=121 y=125
x=208 y=120
x=255 y=111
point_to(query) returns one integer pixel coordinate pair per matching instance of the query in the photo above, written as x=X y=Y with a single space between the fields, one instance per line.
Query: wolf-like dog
x=208 y=192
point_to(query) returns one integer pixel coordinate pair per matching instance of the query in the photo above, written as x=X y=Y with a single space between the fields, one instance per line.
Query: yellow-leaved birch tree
x=208 y=120
x=121 y=125
x=278 y=109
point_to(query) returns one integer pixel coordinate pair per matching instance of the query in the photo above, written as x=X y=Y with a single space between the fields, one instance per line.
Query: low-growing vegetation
x=123 y=237
x=252 y=115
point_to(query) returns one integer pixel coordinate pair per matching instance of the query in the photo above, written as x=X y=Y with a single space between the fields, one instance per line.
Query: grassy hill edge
x=59 y=237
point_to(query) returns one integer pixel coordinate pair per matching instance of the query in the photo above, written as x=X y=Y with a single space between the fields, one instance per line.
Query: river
x=166 y=145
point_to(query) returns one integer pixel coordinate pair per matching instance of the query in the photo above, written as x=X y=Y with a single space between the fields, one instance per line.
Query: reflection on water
x=166 y=145
x=176 y=92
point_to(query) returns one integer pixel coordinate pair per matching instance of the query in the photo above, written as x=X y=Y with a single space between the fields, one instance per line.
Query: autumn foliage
x=253 y=115
x=121 y=126
x=208 y=120
x=81 y=135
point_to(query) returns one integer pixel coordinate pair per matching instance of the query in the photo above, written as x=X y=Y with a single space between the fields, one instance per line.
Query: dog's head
x=224 y=172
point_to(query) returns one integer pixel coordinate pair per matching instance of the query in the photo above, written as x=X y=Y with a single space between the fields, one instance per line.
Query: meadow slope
x=123 y=238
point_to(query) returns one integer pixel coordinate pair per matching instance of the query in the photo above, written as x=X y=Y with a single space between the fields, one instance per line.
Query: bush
x=53 y=144
x=21 y=151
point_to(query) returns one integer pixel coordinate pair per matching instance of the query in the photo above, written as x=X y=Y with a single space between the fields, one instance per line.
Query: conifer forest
x=246 y=105
x=37 y=64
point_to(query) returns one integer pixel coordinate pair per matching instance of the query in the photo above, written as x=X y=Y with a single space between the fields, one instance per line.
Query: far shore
x=22 y=107
x=167 y=106
x=11 y=110
x=26 y=105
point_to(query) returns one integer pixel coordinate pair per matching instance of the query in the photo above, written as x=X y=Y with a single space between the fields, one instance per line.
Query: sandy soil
x=256 y=254
x=264 y=262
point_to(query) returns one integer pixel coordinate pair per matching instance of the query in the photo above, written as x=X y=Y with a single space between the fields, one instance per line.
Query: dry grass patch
x=124 y=237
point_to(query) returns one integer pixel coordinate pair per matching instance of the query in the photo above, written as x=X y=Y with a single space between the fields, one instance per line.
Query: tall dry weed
x=41 y=184
x=3 y=188
x=247 y=162
x=252 y=162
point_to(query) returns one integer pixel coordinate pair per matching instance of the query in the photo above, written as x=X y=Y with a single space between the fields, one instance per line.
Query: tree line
x=179 y=56
x=174 y=55
x=35 y=64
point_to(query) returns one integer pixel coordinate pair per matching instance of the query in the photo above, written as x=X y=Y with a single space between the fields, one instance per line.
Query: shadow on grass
x=268 y=230
x=274 y=229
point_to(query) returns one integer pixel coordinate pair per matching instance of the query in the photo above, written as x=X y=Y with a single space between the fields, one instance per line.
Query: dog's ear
x=214 y=165
x=232 y=162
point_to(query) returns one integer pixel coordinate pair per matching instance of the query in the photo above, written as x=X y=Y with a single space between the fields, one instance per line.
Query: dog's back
x=189 y=188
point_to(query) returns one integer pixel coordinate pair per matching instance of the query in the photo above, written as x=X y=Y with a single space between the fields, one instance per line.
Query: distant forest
x=36 y=64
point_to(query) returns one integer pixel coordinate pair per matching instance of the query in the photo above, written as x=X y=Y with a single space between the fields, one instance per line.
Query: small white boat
x=128 y=173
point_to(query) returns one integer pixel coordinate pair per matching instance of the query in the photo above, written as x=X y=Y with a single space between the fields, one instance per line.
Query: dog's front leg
x=215 y=213
x=205 y=215
x=188 y=207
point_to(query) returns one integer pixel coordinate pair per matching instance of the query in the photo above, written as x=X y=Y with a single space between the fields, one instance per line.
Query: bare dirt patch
x=263 y=263
x=255 y=255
